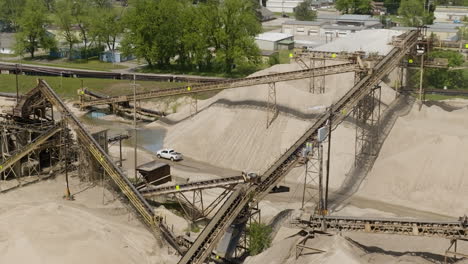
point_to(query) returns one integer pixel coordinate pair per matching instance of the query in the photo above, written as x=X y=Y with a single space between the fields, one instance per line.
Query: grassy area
x=7 y=55
x=280 y=14
x=270 y=28
x=92 y=64
x=240 y=72
x=438 y=97
x=396 y=19
x=67 y=87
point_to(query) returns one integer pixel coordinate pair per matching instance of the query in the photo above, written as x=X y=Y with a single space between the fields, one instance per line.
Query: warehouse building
x=274 y=41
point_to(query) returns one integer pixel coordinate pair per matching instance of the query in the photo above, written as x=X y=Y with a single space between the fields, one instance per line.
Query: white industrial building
x=450 y=13
x=331 y=26
x=308 y=28
x=7 y=43
x=370 y=41
x=286 y=6
x=442 y=31
x=274 y=41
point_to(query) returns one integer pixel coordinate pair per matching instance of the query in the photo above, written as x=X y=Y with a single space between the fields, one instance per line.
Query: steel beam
x=237 y=83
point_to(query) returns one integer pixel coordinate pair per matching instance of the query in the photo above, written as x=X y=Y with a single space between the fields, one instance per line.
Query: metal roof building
x=274 y=41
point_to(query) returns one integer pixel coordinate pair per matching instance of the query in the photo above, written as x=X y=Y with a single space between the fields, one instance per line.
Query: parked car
x=169 y=154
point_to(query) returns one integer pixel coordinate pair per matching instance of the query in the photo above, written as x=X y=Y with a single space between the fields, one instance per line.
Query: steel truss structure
x=251 y=215
x=243 y=195
x=316 y=60
x=313 y=176
x=451 y=255
x=367 y=115
x=236 y=83
x=444 y=229
x=41 y=111
x=272 y=109
x=196 y=208
x=151 y=191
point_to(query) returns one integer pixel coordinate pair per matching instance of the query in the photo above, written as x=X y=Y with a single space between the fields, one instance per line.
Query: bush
x=274 y=59
x=259 y=238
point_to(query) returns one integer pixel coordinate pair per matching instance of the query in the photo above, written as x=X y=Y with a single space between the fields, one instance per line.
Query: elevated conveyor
x=29 y=148
x=135 y=198
x=192 y=186
x=241 y=197
x=408 y=227
x=236 y=83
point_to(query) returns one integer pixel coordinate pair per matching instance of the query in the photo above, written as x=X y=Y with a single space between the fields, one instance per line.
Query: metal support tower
x=195 y=208
x=193 y=105
x=301 y=246
x=312 y=192
x=367 y=116
x=449 y=252
x=317 y=83
x=399 y=80
x=252 y=215
x=272 y=109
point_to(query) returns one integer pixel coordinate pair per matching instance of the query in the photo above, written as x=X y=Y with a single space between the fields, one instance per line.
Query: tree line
x=192 y=34
x=413 y=12
x=90 y=22
x=202 y=36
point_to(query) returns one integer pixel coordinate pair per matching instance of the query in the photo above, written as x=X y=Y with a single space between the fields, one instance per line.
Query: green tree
x=414 y=13
x=32 y=34
x=153 y=30
x=392 y=6
x=82 y=13
x=259 y=238
x=65 y=20
x=49 y=4
x=353 y=6
x=210 y=33
x=106 y=26
x=236 y=35
x=438 y=78
x=463 y=30
x=193 y=46
x=10 y=13
x=102 y=3
x=304 y=12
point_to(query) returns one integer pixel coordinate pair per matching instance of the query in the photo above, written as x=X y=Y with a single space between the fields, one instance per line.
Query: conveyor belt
x=127 y=107
x=69 y=72
x=336 y=55
x=446 y=229
x=243 y=82
x=192 y=186
x=211 y=233
x=28 y=148
x=135 y=198
x=220 y=222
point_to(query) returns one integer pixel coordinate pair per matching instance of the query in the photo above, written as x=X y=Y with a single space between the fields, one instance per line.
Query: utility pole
x=135 y=124
x=17 y=85
x=65 y=135
x=421 y=79
x=328 y=157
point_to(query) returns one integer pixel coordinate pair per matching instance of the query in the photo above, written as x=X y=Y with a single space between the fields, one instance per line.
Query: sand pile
x=422 y=163
x=360 y=248
x=237 y=137
x=40 y=227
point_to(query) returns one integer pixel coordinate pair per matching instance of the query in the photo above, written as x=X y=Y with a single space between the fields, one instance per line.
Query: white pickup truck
x=169 y=154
